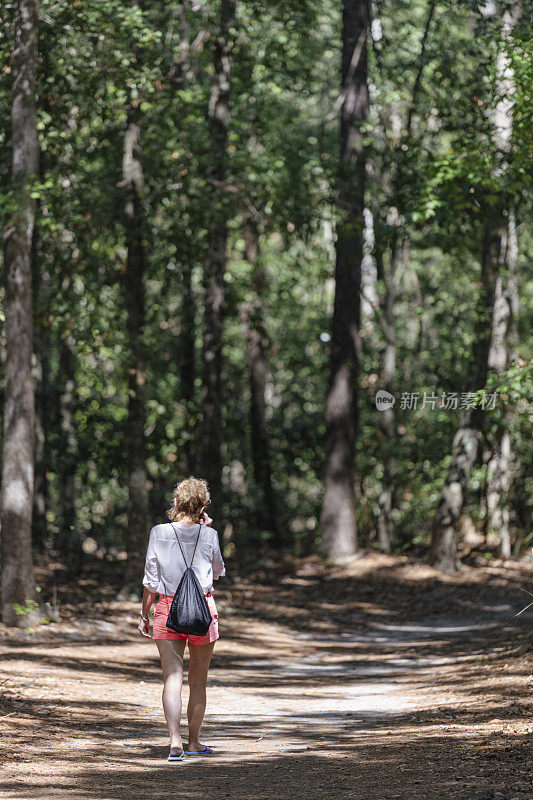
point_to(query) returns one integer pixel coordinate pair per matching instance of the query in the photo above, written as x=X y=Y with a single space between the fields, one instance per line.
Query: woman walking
x=187 y=536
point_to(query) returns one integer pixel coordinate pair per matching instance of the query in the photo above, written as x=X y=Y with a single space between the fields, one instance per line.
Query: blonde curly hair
x=189 y=498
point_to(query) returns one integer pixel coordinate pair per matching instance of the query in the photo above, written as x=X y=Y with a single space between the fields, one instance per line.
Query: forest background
x=242 y=221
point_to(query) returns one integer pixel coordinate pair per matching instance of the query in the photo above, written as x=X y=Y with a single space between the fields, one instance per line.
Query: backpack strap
x=181 y=548
x=196 y=545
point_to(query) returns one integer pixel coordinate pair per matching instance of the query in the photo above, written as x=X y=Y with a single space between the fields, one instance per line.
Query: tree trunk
x=40 y=490
x=188 y=366
x=19 y=414
x=132 y=183
x=339 y=531
x=69 y=537
x=219 y=118
x=41 y=384
x=499 y=469
x=502 y=352
x=499 y=476
x=385 y=525
x=252 y=320
x=398 y=248
x=443 y=549
x=464 y=451
x=511 y=290
x=183 y=73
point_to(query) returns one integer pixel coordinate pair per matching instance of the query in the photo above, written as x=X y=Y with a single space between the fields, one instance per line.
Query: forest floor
x=379 y=679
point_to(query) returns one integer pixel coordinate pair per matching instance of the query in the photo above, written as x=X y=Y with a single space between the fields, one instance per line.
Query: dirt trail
x=397 y=706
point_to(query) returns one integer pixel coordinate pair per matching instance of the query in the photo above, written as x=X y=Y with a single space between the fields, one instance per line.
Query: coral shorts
x=161 y=631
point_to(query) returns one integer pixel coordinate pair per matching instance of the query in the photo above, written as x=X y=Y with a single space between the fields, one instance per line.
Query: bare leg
x=200 y=656
x=171 y=655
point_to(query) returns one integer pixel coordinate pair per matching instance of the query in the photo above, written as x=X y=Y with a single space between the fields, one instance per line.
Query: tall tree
x=219 y=119
x=19 y=414
x=69 y=538
x=41 y=369
x=134 y=294
x=183 y=74
x=500 y=454
x=385 y=523
x=339 y=530
x=133 y=279
x=465 y=444
x=397 y=254
x=252 y=320
x=188 y=362
x=504 y=334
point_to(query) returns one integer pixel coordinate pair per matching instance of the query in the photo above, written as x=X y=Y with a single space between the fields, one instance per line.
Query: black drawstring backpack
x=189 y=612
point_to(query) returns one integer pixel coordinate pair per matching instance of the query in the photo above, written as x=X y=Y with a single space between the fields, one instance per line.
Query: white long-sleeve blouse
x=165 y=566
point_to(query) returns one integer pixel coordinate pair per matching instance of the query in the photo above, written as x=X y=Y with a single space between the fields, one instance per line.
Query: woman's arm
x=219 y=568
x=151 y=578
x=148 y=599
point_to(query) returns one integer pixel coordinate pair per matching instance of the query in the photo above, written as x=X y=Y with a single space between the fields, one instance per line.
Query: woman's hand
x=205 y=519
x=148 y=599
x=143 y=628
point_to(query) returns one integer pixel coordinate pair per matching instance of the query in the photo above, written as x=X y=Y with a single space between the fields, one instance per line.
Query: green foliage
x=22 y=611
x=433 y=173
